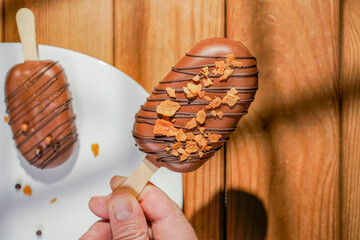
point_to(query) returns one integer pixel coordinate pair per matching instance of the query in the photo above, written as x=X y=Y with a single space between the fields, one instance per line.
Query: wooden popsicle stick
x=25 y=21
x=138 y=179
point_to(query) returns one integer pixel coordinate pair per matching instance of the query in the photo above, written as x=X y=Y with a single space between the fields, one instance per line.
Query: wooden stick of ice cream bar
x=136 y=182
x=25 y=21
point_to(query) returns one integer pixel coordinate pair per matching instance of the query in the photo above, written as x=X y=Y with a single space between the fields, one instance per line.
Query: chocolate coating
x=39 y=107
x=205 y=53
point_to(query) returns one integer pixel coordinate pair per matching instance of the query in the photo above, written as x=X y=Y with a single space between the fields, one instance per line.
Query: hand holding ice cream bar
x=38 y=104
x=192 y=111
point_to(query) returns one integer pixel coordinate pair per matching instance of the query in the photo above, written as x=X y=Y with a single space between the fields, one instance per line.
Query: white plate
x=105 y=102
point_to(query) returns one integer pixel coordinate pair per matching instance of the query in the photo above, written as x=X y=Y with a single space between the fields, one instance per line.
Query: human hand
x=152 y=216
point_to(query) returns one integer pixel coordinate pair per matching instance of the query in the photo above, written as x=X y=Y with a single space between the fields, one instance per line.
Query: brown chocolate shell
x=40 y=112
x=204 y=54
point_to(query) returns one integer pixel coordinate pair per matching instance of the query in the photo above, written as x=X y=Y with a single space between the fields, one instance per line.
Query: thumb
x=127 y=220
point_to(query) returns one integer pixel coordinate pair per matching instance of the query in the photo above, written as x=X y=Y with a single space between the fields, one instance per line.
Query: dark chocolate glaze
x=205 y=53
x=37 y=94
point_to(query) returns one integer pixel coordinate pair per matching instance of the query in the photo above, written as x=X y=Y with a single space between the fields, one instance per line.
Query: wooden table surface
x=292 y=168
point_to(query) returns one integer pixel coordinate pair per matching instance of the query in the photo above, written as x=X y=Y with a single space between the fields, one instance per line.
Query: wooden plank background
x=285 y=173
x=350 y=116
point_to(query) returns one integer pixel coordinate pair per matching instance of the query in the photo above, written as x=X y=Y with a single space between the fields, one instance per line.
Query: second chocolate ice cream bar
x=40 y=112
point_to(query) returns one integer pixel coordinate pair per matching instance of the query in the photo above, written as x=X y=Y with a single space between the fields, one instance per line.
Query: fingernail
x=122 y=208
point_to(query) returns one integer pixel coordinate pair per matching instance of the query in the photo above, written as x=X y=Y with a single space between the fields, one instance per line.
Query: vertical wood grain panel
x=350 y=119
x=150 y=37
x=85 y=26
x=283 y=160
x=2 y=20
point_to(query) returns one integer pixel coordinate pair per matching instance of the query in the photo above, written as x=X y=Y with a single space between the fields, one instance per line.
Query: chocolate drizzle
x=37 y=93
x=204 y=54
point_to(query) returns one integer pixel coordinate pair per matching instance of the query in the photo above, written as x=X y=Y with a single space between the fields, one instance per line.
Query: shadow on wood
x=247 y=221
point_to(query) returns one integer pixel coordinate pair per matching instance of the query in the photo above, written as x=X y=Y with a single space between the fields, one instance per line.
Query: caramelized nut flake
x=230 y=58
x=201 y=116
x=175 y=153
x=207 y=98
x=184 y=156
x=190 y=136
x=213 y=138
x=163 y=127
x=194 y=88
x=180 y=136
x=227 y=73
x=236 y=63
x=207 y=82
x=231 y=97
x=220 y=66
x=220 y=114
x=200 y=140
x=168 y=108
x=205 y=71
x=188 y=93
x=201 y=94
x=215 y=103
x=191 y=124
x=170 y=92
x=196 y=79
x=191 y=147
x=176 y=145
